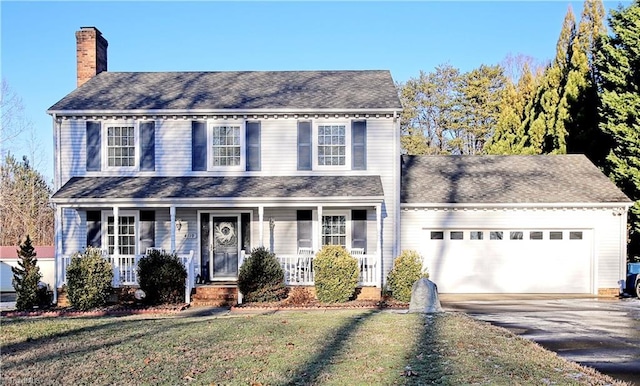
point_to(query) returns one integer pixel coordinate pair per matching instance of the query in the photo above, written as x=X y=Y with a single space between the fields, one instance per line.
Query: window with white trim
x=226 y=145
x=126 y=235
x=334 y=230
x=121 y=146
x=332 y=145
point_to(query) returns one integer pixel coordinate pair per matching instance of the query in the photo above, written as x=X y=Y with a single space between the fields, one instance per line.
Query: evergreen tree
x=581 y=91
x=26 y=276
x=618 y=65
x=548 y=113
x=428 y=118
x=509 y=136
x=480 y=91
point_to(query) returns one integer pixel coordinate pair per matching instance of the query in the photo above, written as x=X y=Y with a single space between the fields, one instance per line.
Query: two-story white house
x=213 y=164
x=222 y=162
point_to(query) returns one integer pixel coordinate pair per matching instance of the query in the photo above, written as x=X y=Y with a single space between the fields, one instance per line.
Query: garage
x=508 y=260
x=514 y=224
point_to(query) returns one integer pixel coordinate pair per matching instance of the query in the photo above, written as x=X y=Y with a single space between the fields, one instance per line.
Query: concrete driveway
x=599 y=333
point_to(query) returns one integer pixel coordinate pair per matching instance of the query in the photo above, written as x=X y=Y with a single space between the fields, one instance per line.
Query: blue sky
x=38 y=40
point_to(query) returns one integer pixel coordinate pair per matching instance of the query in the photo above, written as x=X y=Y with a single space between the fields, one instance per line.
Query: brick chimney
x=91 y=53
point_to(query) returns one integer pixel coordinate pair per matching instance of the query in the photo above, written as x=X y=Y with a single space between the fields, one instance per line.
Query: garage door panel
x=509 y=266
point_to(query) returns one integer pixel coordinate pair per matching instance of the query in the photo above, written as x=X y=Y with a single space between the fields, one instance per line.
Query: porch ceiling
x=88 y=189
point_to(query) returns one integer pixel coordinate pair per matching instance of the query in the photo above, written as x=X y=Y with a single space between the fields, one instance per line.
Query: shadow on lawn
x=311 y=371
x=52 y=347
x=425 y=365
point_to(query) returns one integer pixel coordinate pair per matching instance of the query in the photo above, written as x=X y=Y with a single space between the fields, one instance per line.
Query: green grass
x=340 y=347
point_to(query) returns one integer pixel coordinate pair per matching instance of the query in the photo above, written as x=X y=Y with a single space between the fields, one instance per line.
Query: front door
x=224 y=247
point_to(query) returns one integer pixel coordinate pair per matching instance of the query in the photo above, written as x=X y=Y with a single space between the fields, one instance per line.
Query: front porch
x=298 y=271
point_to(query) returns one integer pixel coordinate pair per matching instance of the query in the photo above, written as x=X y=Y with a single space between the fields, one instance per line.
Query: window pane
x=437 y=235
x=456 y=235
x=516 y=235
x=555 y=235
x=495 y=235
x=476 y=235
x=535 y=235
x=575 y=235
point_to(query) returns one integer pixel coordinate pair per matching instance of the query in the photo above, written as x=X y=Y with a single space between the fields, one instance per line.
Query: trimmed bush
x=407 y=269
x=162 y=277
x=336 y=274
x=89 y=278
x=261 y=278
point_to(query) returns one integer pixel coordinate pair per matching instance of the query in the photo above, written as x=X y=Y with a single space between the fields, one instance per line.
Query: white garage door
x=509 y=261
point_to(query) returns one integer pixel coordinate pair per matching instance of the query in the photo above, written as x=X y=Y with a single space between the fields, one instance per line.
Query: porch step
x=214 y=296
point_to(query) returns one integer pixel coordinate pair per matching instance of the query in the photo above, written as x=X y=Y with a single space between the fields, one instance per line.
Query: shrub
x=407 y=269
x=261 y=278
x=162 y=277
x=336 y=274
x=89 y=278
x=26 y=279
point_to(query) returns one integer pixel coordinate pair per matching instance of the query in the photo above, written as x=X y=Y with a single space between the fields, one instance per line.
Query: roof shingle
x=219 y=187
x=505 y=180
x=239 y=90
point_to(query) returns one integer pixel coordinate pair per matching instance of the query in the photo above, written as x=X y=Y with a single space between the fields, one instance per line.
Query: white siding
x=173 y=147
x=72 y=155
x=608 y=257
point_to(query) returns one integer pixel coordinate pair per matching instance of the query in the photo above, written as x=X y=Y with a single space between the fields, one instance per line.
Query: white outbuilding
x=515 y=224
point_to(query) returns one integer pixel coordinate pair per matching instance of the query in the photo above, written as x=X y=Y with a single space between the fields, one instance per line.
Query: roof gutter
x=556 y=205
x=231 y=112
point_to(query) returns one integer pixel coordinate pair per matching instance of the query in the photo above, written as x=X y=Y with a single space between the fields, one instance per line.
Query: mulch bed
x=112 y=310
x=315 y=305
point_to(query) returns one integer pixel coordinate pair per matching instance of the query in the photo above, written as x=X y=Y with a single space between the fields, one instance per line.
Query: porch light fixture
x=272 y=223
x=179 y=224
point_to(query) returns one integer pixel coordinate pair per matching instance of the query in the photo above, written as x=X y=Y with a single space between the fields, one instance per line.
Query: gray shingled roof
x=371 y=89
x=219 y=187
x=505 y=180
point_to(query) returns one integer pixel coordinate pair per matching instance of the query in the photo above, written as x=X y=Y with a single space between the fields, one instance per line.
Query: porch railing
x=298 y=269
x=125 y=271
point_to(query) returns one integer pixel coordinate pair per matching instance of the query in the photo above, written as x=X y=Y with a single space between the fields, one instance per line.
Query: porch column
x=261 y=224
x=172 y=213
x=378 y=244
x=59 y=266
x=317 y=242
x=116 y=246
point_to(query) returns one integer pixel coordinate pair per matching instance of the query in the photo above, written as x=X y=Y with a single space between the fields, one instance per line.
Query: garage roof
x=505 y=180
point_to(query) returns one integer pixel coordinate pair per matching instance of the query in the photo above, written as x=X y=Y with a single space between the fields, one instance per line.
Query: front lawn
x=342 y=347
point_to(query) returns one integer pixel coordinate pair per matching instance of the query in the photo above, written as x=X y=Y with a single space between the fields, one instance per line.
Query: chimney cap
x=91 y=28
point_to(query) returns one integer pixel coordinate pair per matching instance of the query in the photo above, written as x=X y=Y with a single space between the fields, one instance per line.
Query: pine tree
x=509 y=136
x=26 y=276
x=581 y=91
x=548 y=113
x=618 y=65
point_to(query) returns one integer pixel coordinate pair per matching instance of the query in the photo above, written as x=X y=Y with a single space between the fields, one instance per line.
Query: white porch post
x=261 y=224
x=172 y=213
x=59 y=260
x=116 y=246
x=379 y=244
x=317 y=242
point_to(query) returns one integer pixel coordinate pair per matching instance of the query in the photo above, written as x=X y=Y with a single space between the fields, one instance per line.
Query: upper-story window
x=332 y=144
x=332 y=140
x=121 y=146
x=226 y=145
x=116 y=146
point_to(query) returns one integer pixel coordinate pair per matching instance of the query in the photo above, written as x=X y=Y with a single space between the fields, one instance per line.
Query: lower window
x=126 y=235
x=334 y=230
